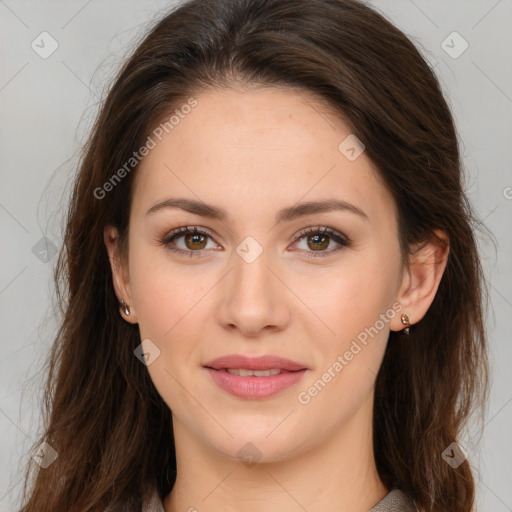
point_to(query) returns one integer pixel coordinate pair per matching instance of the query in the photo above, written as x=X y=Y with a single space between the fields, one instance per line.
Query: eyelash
x=342 y=240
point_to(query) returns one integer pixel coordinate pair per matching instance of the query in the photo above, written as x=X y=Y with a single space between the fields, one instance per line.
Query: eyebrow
x=284 y=215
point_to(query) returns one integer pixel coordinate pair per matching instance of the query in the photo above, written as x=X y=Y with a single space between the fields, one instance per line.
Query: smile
x=254 y=377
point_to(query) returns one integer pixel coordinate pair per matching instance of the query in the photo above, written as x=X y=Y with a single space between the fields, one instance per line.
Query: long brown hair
x=103 y=416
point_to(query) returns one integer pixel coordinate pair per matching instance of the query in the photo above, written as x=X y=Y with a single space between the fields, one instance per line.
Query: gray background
x=47 y=106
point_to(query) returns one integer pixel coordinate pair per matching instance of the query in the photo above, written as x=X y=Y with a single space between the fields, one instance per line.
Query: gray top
x=394 y=501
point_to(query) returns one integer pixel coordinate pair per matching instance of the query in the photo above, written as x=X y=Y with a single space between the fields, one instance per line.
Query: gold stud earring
x=406 y=322
x=125 y=308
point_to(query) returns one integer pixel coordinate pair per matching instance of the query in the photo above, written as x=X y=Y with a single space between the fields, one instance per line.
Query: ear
x=119 y=270
x=421 y=278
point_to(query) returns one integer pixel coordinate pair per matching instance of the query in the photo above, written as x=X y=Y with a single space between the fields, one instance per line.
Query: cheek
x=347 y=359
x=166 y=296
x=346 y=299
x=171 y=304
x=354 y=304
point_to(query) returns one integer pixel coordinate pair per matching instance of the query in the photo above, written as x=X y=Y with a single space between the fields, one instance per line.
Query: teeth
x=253 y=373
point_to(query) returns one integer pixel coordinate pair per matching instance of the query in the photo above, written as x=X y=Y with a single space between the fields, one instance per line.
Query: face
x=263 y=277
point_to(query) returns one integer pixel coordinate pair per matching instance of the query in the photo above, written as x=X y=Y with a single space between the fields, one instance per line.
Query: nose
x=254 y=298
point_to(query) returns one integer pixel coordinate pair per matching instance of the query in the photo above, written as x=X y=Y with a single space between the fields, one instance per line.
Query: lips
x=254 y=377
x=269 y=362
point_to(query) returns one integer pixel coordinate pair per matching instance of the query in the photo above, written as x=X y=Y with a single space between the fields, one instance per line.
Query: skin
x=253 y=152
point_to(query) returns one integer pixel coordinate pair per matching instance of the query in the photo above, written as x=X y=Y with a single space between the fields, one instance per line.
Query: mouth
x=254 y=377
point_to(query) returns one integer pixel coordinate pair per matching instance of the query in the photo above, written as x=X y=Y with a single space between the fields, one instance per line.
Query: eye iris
x=195 y=236
x=321 y=245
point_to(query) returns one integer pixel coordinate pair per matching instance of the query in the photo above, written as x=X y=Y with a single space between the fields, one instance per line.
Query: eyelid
x=322 y=230
x=189 y=230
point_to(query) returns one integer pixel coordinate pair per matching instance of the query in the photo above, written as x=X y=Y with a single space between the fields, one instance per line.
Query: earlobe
x=119 y=275
x=422 y=278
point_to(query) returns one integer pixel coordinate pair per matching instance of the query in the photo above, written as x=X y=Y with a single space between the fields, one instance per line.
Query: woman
x=274 y=299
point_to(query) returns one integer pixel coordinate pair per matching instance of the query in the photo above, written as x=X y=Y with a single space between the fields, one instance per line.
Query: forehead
x=259 y=148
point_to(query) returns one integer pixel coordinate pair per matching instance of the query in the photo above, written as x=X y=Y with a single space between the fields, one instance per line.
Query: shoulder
x=395 y=501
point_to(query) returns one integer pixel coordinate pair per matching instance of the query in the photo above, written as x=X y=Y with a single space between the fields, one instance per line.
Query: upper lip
x=266 y=362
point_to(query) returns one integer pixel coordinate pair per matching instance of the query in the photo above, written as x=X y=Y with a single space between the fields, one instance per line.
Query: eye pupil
x=317 y=244
x=195 y=236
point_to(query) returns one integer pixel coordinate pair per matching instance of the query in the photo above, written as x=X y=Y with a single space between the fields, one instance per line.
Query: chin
x=256 y=445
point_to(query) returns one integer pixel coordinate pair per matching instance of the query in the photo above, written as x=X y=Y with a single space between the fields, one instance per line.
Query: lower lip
x=255 y=387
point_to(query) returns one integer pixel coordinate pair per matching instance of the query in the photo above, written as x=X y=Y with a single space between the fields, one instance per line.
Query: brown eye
x=195 y=241
x=318 y=242
x=188 y=241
